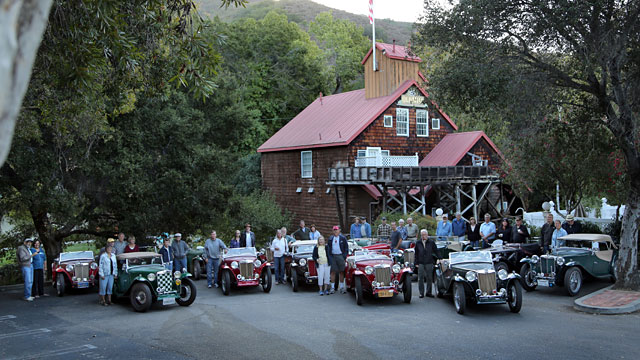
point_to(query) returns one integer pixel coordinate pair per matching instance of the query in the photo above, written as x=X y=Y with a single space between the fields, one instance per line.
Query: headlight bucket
x=560 y=261
x=69 y=268
x=535 y=259
x=257 y=263
x=471 y=276
x=395 y=268
x=368 y=270
x=302 y=262
x=503 y=274
x=234 y=264
x=94 y=266
x=177 y=274
x=151 y=277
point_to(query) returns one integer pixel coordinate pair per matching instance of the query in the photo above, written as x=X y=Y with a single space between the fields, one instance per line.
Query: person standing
x=558 y=232
x=355 y=232
x=365 y=228
x=459 y=227
x=167 y=254
x=104 y=248
x=212 y=249
x=278 y=247
x=108 y=271
x=384 y=230
x=39 y=261
x=487 y=231
x=412 y=230
x=571 y=226
x=520 y=232
x=546 y=233
x=235 y=242
x=338 y=250
x=396 y=238
x=120 y=244
x=248 y=238
x=180 y=249
x=444 y=228
x=473 y=232
x=131 y=247
x=402 y=229
x=287 y=238
x=426 y=252
x=25 y=258
x=504 y=231
x=314 y=234
x=322 y=259
x=302 y=233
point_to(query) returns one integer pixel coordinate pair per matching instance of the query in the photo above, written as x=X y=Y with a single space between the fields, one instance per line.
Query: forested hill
x=303 y=11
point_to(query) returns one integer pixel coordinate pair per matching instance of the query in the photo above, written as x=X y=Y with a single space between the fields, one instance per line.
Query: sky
x=400 y=10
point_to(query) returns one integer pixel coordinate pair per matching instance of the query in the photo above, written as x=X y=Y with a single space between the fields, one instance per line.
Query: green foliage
x=590 y=228
x=423 y=221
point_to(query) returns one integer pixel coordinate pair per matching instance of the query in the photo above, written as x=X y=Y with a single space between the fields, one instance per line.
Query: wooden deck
x=409 y=175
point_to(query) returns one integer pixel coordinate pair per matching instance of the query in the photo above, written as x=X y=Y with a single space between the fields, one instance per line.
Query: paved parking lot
x=250 y=325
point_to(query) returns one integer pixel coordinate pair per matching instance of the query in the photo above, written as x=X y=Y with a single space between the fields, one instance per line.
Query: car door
x=602 y=260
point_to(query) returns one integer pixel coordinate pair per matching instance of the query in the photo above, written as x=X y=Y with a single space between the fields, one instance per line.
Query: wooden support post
x=404 y=200
x=340 y=218
x=346 y=207
x=384 y=199
x=503 y=211
x=458 y=197
x=475 y=202
x=423 y=199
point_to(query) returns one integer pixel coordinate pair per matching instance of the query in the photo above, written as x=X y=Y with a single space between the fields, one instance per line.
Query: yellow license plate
x=385 y=293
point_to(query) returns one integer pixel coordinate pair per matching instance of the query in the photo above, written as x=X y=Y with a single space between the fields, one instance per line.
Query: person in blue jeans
x=39 y=261
x=279 y=247
x=212 y=249
x=25 y=258
x=180 y=250
x=167 y=254
x=108 y=271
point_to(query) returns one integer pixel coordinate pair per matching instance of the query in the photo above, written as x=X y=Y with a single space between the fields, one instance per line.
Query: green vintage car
x=143 y=278
x=195 y=262
x=592 y=255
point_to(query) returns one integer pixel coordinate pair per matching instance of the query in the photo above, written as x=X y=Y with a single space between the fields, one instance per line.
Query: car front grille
x=547 y=265
x=164 y=282
x=409 y=257
x=246 y=269
x=383 y=275
x=487 y=281
x=81 y=271
x=312 y=267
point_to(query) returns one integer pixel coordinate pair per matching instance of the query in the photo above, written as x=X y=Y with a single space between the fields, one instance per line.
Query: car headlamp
x=502 y=274
x=560 y=261
x=368 y=270
x=302 y=262
x=471 y=276
x=234 y=264
x=94 y=266
x=177 y=274
x=395 y=268
x=257 y=263
x=535 y=259
x=69 y=268
x=151 y=277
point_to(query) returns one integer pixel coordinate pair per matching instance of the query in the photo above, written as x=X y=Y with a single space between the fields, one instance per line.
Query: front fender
x=358 y=273
x=513 y=276
x=60 y=270
x=525 y=260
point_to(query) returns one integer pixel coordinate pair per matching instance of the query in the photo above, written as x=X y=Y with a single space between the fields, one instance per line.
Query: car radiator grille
x=81 y=271
x=383 y=275
x=547 y=265
x=409 y=257
x=487 y=281
x=246 y=269
x=164 y=282
x=312 y=268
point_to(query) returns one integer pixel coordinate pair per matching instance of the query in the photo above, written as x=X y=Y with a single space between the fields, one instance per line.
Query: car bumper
x=384 y=291
x=241 y=283
x=491 y=299
x=82 y=284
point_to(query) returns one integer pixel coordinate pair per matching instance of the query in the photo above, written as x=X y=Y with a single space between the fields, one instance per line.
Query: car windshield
x=469 y=256
x=246 y=251
x=147 y=260
x=76 y=255
x=304 y=249
x=367 y=255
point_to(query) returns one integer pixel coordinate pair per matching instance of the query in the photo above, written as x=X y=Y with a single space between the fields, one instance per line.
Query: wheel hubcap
x=457 y=299
x=575 y=282
x=513 y=295
x=141 y=298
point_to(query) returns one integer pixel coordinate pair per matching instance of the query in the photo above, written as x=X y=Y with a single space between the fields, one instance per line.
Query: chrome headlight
x=257 y=263
x=368 y=270
x=234 y=264
x=560 y=261
x=471 y=276
x=94 y=266
x=302 y=262
x=177 y=274
x=395 y=268
x=535 y=259
x=151 y=277
x=69 y=268
x=502 y=274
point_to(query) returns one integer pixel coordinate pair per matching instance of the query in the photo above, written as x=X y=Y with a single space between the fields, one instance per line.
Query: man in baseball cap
x=25 y=259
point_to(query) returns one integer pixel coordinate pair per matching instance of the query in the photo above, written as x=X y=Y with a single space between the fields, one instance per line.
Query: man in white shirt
x=278 y=247
x=487 y=231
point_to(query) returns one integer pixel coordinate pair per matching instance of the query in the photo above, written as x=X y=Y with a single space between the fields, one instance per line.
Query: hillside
x=303 y=11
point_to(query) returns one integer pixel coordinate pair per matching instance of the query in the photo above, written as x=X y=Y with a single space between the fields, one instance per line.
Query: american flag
x=370 y=11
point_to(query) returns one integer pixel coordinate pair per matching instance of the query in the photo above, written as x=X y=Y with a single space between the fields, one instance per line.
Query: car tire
x=573 y=281
x=501 y=265
x=266 y=279
x=197 y=270
x=225 y=283
x=406 y=288
x=60 y=285
x=358 y=290
x=459 y=298
x=525 y=278
x=187 y=292
x=294 y=280
x=141 y=297
x=514 y=296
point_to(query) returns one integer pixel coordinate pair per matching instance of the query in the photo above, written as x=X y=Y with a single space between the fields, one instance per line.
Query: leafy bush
x=590 y=228
x=614 y=229
x=423 y=222
x=10 y=274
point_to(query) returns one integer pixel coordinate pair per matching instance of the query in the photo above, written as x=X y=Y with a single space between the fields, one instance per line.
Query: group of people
x=32 y=260
x=553 y=230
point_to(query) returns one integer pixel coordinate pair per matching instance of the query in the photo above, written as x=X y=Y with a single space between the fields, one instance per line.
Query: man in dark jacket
x=571 y=226
x=302 y=233
x=247 y=238
x=520 y=232
x=426 y=252
x=338 y=250
x=546 y=233
x=167 y=254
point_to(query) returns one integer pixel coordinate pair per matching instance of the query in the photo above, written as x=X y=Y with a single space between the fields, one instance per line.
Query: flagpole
x=373 y=45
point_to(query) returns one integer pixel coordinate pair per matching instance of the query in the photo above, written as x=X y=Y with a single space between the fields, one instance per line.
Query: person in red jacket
x=131 y=247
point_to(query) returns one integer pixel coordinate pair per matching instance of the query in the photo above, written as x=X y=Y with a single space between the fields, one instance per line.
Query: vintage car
x=471 y=276
x=195 y=262
x=592 y=255
x=371 y=273
x=508 y=255
x=143 y=278
x=241 y=267
x=299 y=264
x=75 y=269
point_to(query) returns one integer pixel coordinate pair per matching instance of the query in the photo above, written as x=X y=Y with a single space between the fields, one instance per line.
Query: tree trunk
x=52 y=246
x=627 y=274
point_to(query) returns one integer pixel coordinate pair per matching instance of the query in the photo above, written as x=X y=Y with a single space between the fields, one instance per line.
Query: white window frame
x=435 y=121
x=302 y=164
x=402 y=113
x=385 y=153
x=422 y=120
x=390 y=123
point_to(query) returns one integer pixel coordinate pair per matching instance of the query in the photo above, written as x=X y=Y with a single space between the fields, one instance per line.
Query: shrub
x=423 y=222
x=590 y=228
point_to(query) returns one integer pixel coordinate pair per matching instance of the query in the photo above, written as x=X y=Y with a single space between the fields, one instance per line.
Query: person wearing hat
x=180 y=249
x=520 y=232
x=247 y=238
x=25 y=258
x=338 y=250
x=444 y=228
x=384 y=230
x=110 y=241
x=571 y=226
x=365 y=228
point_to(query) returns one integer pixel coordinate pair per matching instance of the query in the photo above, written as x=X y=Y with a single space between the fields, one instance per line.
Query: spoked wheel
x=358 y=290
x=406 y=288
x=526 y=276
x=459 y=298
x=573 y=281
x=266 y=280
x=60 y=285
x=514 y=296
x=141 y=297
x=294 y=280
x=225 y=284
x=187 y=292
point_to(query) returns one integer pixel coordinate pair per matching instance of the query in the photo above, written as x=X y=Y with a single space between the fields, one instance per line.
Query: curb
x=14 y=287
x=579 y=305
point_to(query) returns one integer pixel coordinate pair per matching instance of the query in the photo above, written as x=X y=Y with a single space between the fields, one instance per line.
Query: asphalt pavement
x=250 y=324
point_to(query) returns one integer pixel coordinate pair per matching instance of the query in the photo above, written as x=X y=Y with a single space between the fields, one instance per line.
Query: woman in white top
x=279 y=247
x=108 y=271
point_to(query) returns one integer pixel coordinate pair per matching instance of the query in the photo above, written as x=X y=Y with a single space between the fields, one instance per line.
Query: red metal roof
x=335 y=120
x=453 y=147
x=400 y=52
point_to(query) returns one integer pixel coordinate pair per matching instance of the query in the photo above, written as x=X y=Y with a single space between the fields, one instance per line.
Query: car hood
x=472 y=266
x=567 y=251
x=302 y=255
x=81 y=261
x=239 y=258
x=365 y=263
x=145 y=269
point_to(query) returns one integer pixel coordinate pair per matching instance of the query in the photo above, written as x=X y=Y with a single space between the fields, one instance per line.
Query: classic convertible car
x=508 y=255
x=143 y=278
x=241 y=267
x=300 y=265
x=591 y=255
x=195 y=262
x=471 y=276
x=77 y=269
x=377 y=275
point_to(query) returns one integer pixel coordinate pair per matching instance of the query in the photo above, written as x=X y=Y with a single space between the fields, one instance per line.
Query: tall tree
x=588 y=51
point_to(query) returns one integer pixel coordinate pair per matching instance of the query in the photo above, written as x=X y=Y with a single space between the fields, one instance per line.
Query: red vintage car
x=372 y=273
x=240 y=267
x=77 y=269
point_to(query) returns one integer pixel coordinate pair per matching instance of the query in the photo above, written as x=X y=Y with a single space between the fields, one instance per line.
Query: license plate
x=168 y=301
x=83 y=285
x=543 y=282
x=385 y=293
